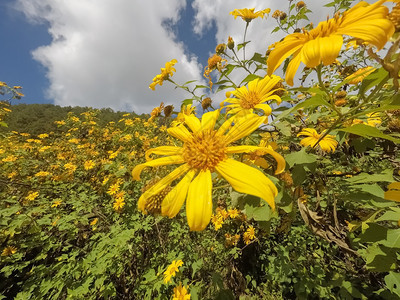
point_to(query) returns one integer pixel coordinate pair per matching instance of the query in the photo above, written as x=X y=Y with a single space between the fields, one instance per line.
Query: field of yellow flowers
x=278 y=192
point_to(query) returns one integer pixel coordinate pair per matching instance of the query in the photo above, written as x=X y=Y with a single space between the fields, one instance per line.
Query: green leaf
x=393 y=238
x=300 y=157
x=385 y=176
x=314 y=101
x=368 y=131
x=391 y=215
x=373 y=189
x=373 y=79
x=262 y=213
x=250 y=77
x=259 y=58
x=187 y=101
x=379 y=259
x=240 y=46
x=392 y=281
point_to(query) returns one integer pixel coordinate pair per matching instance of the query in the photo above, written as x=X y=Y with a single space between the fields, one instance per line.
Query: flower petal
x=162 y=184
x=247 y=149
x=163 y=161
x=209 y=119
x=292 y=68
x=173 y=202
x=164 y=150
x=180 y=132
x=199 y=201
x=192 y=122
x=244 y=126
x=248 y=180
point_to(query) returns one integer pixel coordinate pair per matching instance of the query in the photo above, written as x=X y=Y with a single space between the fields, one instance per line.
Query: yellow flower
x=373 y=119
x=206 y=150
x=249 y=14
x=114 y=188
x=94 y=222
x=56 y=203
x=323 y=43
x=180 y=293
x=32 y=196
x=42 y=174
x=9 y=250
x=359 y=75
x=171 y=270
x=10 y=158
x=328 y=143
x=119 y=203
x=43 y=135
x=259 y=91
x=69 y=166
x=217 y=220
x=164 y=75
x=186 y=110
x=89 y=164
x=156 y=112
x=393 y=192
x=233 y=213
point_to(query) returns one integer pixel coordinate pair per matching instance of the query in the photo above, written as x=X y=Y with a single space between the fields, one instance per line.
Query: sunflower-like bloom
x=164 y=75
x=259 y=91
x=359 y=75
x=215 y=62
x=323 y=43
x=180 y=293
x=172 y=269
x=249 y=14
x=204 y=151
x=327 y=144
x=393 y=192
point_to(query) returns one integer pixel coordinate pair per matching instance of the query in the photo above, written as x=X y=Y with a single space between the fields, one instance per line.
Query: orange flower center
x=205 y=150
x=250 y=100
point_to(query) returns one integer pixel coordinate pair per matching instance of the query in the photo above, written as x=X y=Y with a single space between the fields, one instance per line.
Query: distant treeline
x=40 y=118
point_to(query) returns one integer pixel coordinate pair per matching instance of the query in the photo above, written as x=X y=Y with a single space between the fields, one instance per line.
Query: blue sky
x=102 y=53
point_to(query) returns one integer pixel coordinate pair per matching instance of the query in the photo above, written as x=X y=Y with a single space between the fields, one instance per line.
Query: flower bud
x=231 y=43
x=206 y=103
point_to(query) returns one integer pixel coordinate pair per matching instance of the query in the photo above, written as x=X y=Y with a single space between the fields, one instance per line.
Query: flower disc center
x=205 y=150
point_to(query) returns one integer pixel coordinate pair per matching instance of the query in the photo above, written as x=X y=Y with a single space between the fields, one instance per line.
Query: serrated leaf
x=392 y=239
x=300 y=157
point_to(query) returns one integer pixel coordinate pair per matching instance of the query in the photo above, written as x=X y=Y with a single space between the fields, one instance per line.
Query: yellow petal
x=330 y=48
x=209 y=119
x=247 y=149
x=292 y=68
x=265 y=107
x=192 y=122
x=164 y=150
x=392 y=195
x=180 y=132
x=394 y=186
x=163 y=161
x=162 y=184
x=199 y=201
x=282 y=50
x=248 y=180
x=244 y=126
x=173 y=202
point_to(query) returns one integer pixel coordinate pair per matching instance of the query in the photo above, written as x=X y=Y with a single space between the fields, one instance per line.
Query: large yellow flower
x=249 y=14
x=164 y=75
x=327 y=144
x=323 y=43
x=259 y=91
x=204 y=151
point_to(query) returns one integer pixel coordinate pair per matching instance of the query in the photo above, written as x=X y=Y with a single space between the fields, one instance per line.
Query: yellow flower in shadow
x=327 y=144
x=367 y=22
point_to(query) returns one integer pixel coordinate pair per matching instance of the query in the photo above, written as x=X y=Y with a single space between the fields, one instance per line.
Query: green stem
x=244 y=40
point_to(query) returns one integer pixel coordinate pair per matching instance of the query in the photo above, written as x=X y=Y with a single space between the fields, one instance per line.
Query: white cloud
x=105 y=53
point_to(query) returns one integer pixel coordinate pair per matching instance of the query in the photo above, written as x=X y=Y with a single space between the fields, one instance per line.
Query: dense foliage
x=71 y=225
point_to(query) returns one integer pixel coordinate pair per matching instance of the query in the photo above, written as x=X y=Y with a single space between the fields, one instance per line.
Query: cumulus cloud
x=105 y=53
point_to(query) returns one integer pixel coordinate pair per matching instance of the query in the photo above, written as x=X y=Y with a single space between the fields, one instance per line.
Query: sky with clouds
x=103 y=53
